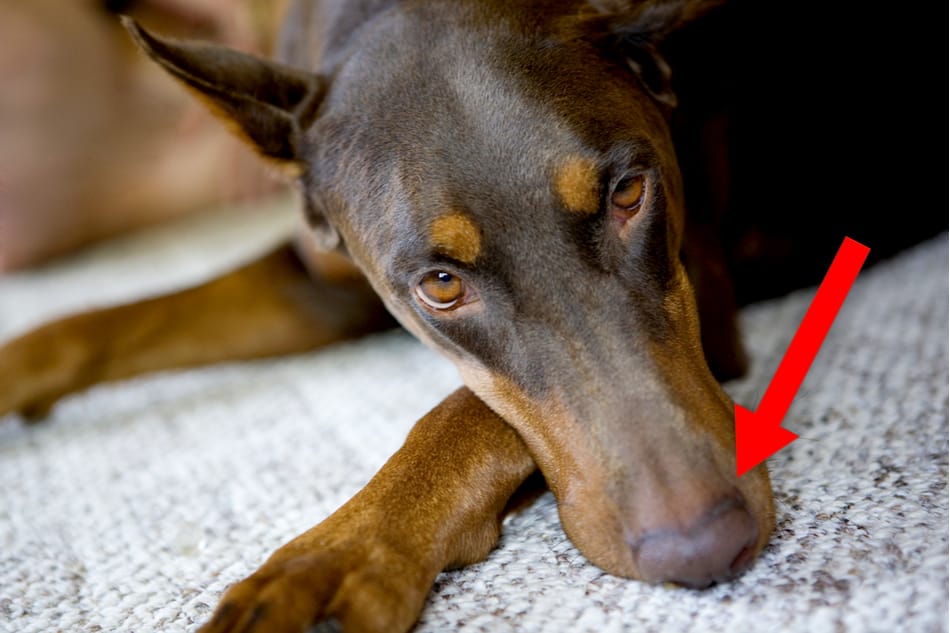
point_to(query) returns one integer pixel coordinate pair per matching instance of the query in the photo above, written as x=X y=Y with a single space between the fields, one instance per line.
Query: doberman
x=500 y=177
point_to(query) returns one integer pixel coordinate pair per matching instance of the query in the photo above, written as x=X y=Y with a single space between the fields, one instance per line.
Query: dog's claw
x=37 y=411
x=330 y=625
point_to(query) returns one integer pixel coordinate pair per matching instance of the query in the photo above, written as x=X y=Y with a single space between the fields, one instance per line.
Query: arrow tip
x=758 y=437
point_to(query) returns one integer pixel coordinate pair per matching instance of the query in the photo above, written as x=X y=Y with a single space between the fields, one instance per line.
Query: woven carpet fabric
x=134 y=505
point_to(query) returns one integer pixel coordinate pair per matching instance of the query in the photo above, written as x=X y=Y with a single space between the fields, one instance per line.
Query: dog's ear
x=268 y=104
x=635 y=29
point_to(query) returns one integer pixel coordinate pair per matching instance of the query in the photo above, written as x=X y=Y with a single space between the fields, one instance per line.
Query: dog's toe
x=336 y=591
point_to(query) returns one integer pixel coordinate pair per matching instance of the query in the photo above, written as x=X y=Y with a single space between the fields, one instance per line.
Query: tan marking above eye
x=455 y=235
x=628 y=195
x=577 y=182
x=441 y=290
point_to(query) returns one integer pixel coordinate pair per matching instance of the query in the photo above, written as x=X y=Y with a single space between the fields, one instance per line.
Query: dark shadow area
x=802 y=124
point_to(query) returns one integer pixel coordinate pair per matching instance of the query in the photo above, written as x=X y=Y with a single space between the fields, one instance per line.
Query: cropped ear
x=268 y=104
x=635 y=29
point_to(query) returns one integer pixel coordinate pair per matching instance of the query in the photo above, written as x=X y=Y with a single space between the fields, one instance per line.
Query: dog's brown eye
x=628 y=195
x=441 y=290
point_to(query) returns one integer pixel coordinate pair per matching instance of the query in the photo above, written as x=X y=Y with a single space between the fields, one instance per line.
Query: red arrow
x=759 y=434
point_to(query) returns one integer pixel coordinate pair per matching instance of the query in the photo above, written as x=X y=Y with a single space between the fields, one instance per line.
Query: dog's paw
x=38 y=369
x=365 y=589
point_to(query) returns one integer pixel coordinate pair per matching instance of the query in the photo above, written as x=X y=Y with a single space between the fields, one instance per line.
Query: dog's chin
x=599 y=535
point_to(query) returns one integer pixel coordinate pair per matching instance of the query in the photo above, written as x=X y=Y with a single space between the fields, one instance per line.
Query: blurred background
x=95 y=140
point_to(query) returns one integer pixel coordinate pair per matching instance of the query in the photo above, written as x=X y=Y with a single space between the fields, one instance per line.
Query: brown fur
x=370 y=572
x=274 y=298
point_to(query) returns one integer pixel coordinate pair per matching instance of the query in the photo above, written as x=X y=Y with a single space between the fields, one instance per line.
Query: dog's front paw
x=363 y=589
x=39 y=368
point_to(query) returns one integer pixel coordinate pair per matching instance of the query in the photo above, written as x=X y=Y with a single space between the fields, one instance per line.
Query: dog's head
x=504 y=175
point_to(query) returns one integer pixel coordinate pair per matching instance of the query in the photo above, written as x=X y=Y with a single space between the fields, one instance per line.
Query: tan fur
x=455 y=235
x=572 y=470
x=577 y=184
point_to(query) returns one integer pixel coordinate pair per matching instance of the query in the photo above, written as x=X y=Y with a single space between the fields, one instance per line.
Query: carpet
x=136 y=504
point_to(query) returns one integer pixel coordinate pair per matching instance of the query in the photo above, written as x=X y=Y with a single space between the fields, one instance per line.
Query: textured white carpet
x=135 y=505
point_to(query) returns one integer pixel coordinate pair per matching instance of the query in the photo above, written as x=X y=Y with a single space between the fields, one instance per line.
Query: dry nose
x=716 y=547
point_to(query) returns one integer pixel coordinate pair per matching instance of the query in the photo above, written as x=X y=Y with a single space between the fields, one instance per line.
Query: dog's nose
x=716 y=547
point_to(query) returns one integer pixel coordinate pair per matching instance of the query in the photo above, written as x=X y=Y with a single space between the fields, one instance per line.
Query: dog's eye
x=628 y=194
x=441 y=290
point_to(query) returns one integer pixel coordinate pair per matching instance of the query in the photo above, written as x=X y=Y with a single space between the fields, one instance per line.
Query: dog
x=499 y=178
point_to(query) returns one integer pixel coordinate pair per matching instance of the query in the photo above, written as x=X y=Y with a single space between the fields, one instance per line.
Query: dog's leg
x=269 y=307
x=437 y=503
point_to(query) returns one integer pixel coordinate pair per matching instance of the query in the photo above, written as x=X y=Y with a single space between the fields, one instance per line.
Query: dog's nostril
x=718 y=546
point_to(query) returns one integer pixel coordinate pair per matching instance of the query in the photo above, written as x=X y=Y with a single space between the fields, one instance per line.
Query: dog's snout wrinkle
x=717 y=546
